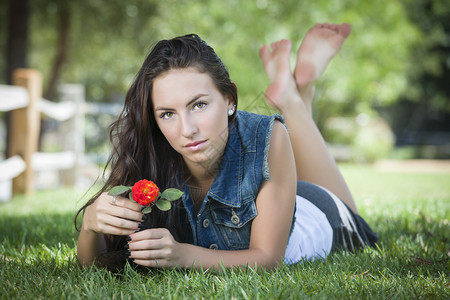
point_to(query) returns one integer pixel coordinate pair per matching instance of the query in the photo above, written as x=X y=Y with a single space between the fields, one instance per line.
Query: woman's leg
x=313 y=161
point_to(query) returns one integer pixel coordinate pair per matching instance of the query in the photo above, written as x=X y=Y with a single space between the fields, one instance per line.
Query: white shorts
x=312 y=235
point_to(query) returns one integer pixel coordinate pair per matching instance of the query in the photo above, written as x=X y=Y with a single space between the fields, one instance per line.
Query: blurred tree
x=16 y=53
x=422 y=113
x=63 y=12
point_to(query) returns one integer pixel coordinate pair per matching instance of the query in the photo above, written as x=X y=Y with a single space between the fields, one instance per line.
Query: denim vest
x=225 y=217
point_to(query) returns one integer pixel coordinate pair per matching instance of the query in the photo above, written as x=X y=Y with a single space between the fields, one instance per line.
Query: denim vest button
x=235 y=219
x=205 y=223
x=213 y=247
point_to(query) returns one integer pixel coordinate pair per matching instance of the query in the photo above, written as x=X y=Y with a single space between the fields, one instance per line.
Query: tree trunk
x=16 y=46
x=62 y=46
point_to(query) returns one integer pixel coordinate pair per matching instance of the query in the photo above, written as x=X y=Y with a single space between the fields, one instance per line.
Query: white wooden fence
x=25 y=103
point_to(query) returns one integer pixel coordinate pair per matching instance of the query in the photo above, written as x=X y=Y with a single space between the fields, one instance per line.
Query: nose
x=188 y=126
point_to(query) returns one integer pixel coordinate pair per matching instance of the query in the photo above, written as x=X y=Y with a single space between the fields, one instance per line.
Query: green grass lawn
x=410 y=212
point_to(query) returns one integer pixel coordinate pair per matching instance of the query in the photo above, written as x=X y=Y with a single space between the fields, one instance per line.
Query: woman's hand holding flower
x=156 y=248
x=119 y=218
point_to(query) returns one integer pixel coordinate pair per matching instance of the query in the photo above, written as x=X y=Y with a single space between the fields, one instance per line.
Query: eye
x=166 y=115
x=199 y=105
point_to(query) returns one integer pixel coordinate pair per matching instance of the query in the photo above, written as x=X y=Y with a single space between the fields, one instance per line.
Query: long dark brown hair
x=139 y=149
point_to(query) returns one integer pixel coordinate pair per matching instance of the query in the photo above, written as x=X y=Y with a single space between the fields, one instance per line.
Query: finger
x=148 y=234
x=151 y=239
x=153 y=263
x=148 y=244
x=150 y=259
x=119 y=212
x=119 y=222
x=121 y=202
x=126 y=213
x=123 y=207
x=113 y=230
x=147 y=254
x=127 y=203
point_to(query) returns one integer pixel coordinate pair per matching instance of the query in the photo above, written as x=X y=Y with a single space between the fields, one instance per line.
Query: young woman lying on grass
x=255 y=194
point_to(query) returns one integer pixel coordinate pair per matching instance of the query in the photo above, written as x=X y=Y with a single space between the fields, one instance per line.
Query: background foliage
x=395 y=63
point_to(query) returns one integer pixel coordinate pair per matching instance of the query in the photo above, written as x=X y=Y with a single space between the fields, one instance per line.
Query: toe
x=264 y=52
x=344 y=29
x=284 y=44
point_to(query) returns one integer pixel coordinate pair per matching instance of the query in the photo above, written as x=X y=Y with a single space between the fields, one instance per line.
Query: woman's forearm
x=156 y=247
x=197 y=257
x=90 y=244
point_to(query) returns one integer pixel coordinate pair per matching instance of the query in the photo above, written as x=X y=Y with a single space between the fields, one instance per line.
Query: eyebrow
x=188 y=104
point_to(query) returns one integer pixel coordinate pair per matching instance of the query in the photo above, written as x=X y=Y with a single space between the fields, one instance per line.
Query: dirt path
x=414 y=165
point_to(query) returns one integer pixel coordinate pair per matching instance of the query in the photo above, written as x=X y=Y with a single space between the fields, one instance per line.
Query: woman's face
x=193 y=115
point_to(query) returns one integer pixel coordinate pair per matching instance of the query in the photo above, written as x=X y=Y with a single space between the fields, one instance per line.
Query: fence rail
x=17 y=93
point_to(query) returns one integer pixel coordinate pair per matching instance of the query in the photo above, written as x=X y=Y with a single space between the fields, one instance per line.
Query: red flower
x=145 y=192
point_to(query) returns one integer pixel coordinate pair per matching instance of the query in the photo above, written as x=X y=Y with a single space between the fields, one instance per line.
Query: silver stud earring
x=231 y=111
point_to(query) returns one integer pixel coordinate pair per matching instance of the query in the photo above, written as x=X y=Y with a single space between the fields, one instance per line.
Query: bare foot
x=319 y=46
x=277 y=66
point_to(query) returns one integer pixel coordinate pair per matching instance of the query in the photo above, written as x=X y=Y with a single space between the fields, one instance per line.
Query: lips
x=195 y=145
